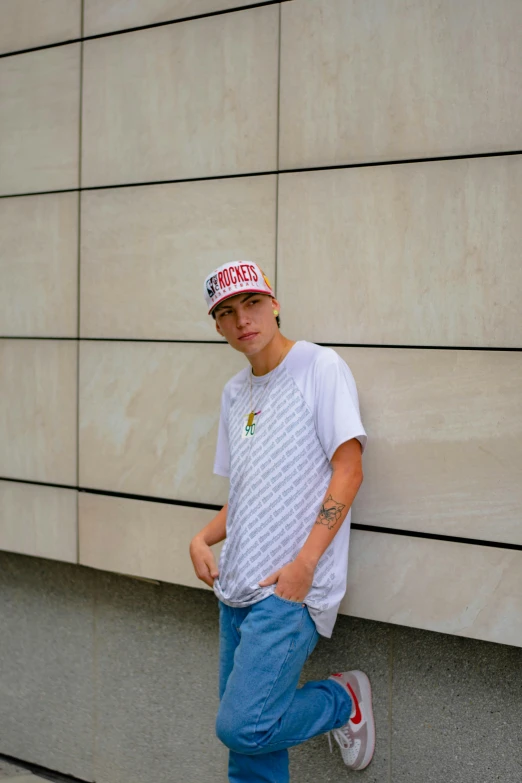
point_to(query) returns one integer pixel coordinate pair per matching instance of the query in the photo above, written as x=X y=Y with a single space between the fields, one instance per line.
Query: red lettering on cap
x=239 y=273
x=220 y=280
x=232 y=272
x=226 y=277
x=253 y=272
x=246 y=272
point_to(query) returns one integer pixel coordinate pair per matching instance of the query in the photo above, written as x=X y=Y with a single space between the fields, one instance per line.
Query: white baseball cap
x=233 y=278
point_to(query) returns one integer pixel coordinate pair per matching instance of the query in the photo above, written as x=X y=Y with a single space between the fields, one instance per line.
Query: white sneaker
x=357 y=737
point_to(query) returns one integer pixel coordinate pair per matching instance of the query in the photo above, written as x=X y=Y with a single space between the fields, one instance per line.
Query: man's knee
x=234 y=732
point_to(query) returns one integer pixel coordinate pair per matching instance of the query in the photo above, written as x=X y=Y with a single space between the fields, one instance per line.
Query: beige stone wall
x=361 y=152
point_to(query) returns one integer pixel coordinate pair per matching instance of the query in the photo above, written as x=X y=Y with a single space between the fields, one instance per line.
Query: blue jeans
x=263 y=648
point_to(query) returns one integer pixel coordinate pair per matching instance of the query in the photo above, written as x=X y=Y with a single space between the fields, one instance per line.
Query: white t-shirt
x=279 y=474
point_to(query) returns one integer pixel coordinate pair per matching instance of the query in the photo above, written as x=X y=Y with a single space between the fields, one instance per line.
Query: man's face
x=247 y=321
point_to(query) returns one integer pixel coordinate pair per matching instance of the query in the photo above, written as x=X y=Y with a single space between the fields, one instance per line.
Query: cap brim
x=240 y=293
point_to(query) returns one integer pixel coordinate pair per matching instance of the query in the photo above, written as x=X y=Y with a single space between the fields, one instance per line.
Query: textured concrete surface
x=355 y=644
x=46 y=672
x=27 y=778
x=9 y=771
x=156 y=689
x=114 y=680
x=12 y=773
x=457 y=710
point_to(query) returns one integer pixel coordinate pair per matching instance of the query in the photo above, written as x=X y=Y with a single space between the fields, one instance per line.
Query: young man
x=290 y=440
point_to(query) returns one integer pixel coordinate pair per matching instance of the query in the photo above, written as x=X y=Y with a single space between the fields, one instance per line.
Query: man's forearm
x=216 y=530
x=338 y=499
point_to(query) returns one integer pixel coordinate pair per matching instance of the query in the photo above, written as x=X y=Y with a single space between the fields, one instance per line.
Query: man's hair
x=278 y=320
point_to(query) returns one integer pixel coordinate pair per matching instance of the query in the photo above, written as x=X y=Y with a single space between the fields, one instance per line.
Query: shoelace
x=340 y=737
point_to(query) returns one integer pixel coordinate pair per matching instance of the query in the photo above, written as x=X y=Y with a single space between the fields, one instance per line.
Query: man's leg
x=229 y=623
x=261 y=712
x=273 y=767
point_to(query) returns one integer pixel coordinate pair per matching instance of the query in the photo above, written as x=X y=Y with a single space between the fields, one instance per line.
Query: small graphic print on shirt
x=248 y=425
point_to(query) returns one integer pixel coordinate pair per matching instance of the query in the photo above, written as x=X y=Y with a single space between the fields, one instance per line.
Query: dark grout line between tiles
x=275 y=172
x=213 y=507
x=138 y=28
x=222 y=342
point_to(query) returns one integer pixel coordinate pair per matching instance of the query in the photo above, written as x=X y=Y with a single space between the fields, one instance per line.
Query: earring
x=276 y=312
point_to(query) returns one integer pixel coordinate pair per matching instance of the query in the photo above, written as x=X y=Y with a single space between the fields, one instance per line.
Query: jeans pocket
x=288 y=601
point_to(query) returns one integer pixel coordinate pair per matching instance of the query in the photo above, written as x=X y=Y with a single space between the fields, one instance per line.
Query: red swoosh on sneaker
x=357 y=718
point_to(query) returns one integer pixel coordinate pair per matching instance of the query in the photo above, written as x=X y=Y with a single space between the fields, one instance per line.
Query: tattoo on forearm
x=330 y=512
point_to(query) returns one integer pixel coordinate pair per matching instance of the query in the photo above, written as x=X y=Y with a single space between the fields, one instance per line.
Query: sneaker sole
x=366 y=693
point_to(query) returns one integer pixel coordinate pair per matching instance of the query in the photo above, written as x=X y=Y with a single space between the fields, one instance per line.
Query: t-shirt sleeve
x=336 y=405
x=222 y=458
